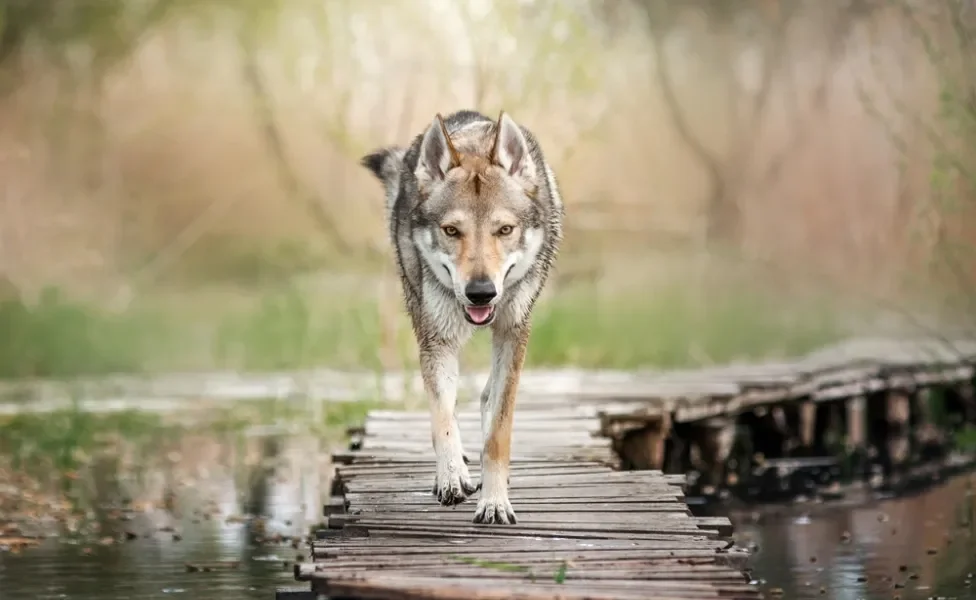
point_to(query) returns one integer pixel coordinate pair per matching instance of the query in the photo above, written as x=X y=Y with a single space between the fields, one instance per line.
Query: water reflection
x=136 y=508
x=134 y=500
x=914 y=547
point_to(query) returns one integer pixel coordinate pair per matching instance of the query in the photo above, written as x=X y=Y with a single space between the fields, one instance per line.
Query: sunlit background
x=180 y=189
x=181 y=186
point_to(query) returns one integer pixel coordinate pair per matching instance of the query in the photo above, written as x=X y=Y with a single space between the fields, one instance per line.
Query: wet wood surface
x=585 y=529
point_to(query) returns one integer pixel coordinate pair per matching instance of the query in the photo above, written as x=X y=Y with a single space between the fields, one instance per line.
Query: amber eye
x=450 y=231
x=505 y=230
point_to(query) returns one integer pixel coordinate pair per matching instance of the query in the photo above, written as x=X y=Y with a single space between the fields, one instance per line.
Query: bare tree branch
x=294 y=187
x=678 y=117
x=838 y=32
x=727 y=166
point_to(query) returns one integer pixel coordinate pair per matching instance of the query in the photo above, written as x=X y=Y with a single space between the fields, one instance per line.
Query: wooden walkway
x=585 y=530
x=866 y=380
x=589 y=530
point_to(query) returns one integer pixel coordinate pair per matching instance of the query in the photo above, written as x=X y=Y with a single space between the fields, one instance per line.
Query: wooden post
x=855 y=424
x=857 y=461
x=967 y=393
x=808 y=423
x=924 y=431
x=712 y=446
x=899 y=408
x=644 y=449
x=898 y=415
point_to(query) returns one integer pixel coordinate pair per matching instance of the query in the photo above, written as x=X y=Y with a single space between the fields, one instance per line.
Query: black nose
x=480 y=291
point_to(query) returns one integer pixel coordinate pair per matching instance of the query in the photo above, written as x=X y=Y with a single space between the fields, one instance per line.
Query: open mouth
x=479 y=315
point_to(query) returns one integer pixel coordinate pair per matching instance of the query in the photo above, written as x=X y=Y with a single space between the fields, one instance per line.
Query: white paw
x=495 y=509
x=452 y=484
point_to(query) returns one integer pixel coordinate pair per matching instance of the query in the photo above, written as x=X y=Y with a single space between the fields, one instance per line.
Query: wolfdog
x=475 y=220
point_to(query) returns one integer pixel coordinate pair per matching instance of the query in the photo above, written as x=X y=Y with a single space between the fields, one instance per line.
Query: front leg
x=497 y=412
x=439 y=369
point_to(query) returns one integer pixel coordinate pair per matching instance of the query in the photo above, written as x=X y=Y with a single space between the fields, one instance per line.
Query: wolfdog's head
x=477 y=223
x=471 y=207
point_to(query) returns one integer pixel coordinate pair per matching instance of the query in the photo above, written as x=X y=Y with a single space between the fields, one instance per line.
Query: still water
x=139 y=513
x=917 y=547
x=158 y=507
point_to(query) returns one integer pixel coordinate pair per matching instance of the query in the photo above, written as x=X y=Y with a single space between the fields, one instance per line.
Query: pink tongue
x=478 y=314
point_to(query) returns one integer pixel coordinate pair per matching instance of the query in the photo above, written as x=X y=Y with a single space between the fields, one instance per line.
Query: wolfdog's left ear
x=510 y=150
x=437 y=152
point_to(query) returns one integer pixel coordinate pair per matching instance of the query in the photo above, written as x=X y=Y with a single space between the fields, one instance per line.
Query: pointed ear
x=437 y=153
x=511 y=150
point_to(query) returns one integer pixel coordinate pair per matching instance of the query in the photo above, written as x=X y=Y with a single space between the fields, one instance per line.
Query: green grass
x=83 y=461
x=62 y=441
x=291 y=326
x=673 y=327
x=57 y=337
x=53 y=446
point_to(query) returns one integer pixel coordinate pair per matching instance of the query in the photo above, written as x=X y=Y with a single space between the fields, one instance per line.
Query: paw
x=452 y=486
x=495 y=511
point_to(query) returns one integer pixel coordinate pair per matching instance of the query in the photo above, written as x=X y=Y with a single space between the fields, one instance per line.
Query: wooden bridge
x=585 y=529
x=589 y=530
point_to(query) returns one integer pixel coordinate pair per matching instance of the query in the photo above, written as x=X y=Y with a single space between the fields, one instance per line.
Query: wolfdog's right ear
x=375 y=161
x=384 y=163
x=437 y=152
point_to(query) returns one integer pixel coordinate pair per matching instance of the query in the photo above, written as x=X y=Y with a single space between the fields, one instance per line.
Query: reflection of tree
x=294 y=187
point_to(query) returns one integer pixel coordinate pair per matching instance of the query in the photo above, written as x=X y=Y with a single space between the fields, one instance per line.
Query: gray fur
x=397 y=175
x=436 y=308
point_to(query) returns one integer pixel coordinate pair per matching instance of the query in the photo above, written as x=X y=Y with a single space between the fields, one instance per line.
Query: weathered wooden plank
x=421 y=500
x=666 y=551
x=528 y=517
x=395 y=474
x=580 y=572
x=472 y=425
x=366 y=467
x=519 y=454
x=580 y=412
x=672 y=548
x=556 y=529
x=520 y=482
x=524 y=588
x=353 y=588
x=540 y=447
x=569 y=506
x=383 y=546
x=634 y=493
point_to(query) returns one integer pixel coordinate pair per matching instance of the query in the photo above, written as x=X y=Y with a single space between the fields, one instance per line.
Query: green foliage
x=945 y=34
x=108 y=30
x=560 y=576
x=292 y=327
x=229 y=259
x=490 y=564
x=675 y=326
x=65 y=440
x=57 y=337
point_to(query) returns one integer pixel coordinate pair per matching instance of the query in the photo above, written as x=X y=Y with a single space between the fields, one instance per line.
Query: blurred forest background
x=743 y=179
